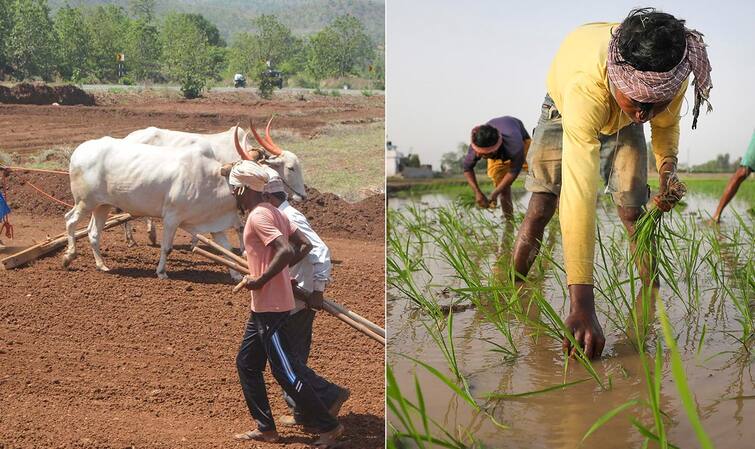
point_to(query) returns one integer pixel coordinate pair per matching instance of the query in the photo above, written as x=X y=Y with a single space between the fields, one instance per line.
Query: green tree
x=143 y=50
x=341 y=48
x=208 y=28
x=74 y=43
x=273 y=42
x=242 y=55
x=109 y=26
x=186 y=54
x=6 y=24
x=143 y=10
x=32 y=43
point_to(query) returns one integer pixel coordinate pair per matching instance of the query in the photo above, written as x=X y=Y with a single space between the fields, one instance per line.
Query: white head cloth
x=249 y=174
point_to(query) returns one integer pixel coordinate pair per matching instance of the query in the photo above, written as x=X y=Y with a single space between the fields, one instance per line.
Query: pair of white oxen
x=172 y=175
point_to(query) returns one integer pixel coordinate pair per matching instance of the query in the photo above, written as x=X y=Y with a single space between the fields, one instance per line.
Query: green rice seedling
x=405 y=412
x=743 y=277
x=680 y=378
x=461 y=250
x=552 y=325
x=401 y=267
x=493 y=396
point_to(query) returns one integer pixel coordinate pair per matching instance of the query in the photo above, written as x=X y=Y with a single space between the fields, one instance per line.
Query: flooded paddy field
x=475 y=362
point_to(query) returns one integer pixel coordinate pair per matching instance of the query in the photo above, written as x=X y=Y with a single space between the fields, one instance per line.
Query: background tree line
x=79 y=44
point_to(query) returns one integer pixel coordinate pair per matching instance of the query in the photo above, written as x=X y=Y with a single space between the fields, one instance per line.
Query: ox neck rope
x=283 y=180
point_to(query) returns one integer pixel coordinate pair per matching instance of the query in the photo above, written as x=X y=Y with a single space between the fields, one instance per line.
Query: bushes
x=192 y=86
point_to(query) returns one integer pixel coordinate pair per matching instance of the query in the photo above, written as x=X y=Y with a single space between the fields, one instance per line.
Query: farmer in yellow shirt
x=606 y=80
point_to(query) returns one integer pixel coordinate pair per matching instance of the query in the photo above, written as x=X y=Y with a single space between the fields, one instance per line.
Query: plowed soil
x=29 y=128
x=123 y=359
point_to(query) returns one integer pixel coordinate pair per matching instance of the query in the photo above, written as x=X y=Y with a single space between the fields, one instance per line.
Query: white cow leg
x=99 y=216
x=72 y=218
x=129 y=231
x=152 y=232
x=222 y=240
x=169 y=232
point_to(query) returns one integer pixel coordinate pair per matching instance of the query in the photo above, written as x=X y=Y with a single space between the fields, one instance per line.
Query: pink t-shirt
x=265 y=224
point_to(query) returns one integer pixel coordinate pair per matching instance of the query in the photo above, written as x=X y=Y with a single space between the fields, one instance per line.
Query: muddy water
x=719 y=374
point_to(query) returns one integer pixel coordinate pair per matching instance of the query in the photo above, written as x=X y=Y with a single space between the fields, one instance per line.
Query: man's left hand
x=315 y=300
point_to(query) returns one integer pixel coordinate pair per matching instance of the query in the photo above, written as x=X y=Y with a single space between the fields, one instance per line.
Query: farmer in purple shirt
x=503 y=141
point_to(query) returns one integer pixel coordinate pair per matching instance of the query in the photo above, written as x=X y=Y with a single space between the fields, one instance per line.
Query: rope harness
x=6 y=225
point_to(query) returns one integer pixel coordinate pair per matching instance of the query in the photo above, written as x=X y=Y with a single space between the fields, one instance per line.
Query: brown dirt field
x=123 y=359
x=29 y=128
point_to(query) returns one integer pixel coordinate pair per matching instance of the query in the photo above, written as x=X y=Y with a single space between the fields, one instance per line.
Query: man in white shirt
x=311 y=274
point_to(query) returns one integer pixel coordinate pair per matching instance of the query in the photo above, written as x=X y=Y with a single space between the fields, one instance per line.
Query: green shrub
x=367 y=93
x=335 y=93
x=266 y=87
x=191 y=86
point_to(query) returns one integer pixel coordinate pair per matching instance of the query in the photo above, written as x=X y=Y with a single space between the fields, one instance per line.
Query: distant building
x=423 y=171
x=396 y=164
x=392 y=159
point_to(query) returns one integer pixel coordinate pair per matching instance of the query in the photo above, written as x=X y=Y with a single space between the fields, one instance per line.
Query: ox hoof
x=162 y=275
x=103 y=268
x=66 y=262
x=237 y=277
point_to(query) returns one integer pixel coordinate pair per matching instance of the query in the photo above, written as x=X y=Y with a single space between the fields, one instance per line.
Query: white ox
x=227 y=148
x=182 y=185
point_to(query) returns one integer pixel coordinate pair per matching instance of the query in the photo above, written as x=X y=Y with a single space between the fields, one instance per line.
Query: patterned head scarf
x=654 y=87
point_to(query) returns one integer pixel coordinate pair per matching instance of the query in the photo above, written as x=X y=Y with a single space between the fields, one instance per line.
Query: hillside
x=232 y=16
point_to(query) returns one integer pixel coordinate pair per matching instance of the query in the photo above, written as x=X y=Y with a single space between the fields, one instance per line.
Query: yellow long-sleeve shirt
x=578 y=84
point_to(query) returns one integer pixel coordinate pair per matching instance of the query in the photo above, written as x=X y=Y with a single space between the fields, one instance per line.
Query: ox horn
x=275 y=149
x=244 y=155
x=259 y=139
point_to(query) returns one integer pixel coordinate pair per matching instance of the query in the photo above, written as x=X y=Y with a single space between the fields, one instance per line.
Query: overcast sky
x=451 y=65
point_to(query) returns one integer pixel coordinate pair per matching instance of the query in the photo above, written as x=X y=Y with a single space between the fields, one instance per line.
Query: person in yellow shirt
x=605 y=81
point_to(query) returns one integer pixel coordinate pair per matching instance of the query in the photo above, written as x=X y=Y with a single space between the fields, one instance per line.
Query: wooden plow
x=40 y=249
x=237 y=263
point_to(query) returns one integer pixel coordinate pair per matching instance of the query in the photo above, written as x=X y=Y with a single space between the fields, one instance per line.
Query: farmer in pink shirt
x=266 y=238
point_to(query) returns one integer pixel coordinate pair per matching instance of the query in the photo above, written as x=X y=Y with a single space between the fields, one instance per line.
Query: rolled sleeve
x=664 y=130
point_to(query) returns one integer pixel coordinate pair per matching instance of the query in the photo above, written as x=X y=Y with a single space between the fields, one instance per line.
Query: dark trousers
x=298 y=330
x=265 y=341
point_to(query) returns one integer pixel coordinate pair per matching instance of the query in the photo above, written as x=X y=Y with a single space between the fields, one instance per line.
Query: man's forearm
x=299 y=254
x=505 y=183
x=280 y=260
x=472 y=181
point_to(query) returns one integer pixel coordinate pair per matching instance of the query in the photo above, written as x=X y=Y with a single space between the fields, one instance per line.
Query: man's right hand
x=315 y=300
x=583 y=324
x=482 y=200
